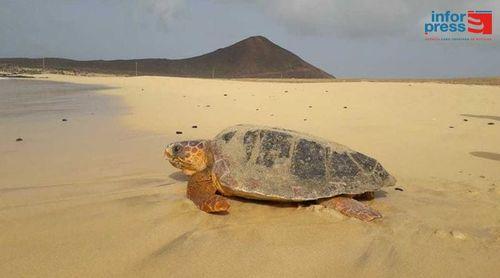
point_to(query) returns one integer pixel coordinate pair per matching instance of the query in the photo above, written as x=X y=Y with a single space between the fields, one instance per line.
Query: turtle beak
x=167 y=154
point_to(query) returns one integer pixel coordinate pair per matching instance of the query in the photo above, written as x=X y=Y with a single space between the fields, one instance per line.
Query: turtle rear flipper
x=351 y=208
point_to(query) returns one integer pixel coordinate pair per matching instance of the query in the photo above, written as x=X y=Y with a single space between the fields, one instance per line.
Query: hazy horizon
x=348 y=40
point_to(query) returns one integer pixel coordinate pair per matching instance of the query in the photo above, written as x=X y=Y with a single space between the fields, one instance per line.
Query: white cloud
x=343 y=18
x=167 y=11
x=361 y=18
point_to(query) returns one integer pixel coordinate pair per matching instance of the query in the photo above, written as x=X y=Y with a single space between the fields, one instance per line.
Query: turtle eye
x=176 y=149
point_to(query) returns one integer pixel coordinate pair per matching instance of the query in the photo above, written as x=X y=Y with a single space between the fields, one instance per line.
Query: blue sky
x=362 y=38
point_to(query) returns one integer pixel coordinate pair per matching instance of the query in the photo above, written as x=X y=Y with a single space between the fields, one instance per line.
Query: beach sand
x=93 y=197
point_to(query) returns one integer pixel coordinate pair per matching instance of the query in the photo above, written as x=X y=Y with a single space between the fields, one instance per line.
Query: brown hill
x=254 y=57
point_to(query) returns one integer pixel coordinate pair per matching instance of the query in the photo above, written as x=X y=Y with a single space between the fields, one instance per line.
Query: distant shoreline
x=487 y=81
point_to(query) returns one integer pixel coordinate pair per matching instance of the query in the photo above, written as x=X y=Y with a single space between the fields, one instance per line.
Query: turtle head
x=189 y=156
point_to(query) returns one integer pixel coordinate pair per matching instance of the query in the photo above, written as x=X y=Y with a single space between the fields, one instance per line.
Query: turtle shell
x=276 y=164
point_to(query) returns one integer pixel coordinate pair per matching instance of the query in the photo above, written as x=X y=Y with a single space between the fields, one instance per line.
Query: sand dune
x=92 y=196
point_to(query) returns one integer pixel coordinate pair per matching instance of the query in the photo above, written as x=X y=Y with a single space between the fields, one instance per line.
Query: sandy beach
x=92 y=196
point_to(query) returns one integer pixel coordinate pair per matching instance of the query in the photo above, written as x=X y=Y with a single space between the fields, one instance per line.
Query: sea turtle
x=266 y=163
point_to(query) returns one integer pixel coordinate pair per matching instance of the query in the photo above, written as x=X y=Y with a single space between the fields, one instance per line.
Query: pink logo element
x=480 y=22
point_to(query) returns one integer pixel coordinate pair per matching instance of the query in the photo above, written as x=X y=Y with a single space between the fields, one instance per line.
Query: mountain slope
x=250 y=58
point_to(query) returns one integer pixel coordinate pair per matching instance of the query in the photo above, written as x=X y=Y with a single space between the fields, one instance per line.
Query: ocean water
x=36 y=144
x=36 y=99
x=55 y=133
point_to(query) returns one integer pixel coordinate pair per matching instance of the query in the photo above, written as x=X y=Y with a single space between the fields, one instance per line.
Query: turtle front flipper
x=351 y=208
x=201 y=191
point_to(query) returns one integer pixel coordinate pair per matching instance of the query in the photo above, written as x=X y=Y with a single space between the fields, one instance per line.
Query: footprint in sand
x=440 y=233
x=454 y=234
x=458 y=235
